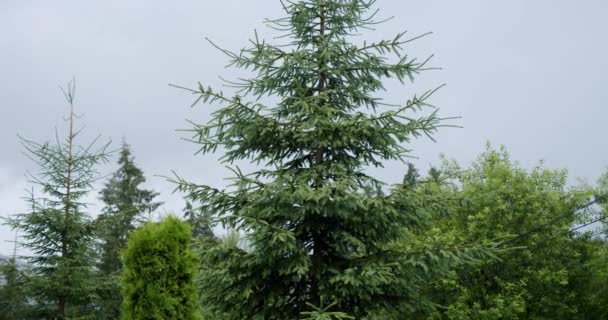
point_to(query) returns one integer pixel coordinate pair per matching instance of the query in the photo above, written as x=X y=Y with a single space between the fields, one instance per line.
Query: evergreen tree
x=199 y=221
x=125 y=201
x=57 y=230
x=411 y=176
x=13 y=304
x=158 y=278
x=318 y=235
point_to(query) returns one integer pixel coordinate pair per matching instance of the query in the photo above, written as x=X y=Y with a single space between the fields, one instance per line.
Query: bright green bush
x=158 y=270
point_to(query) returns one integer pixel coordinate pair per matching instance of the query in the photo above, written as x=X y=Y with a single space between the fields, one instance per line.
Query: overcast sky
x=527 y=74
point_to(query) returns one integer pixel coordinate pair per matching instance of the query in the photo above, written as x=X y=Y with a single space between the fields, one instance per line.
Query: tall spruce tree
x=125 y=200
x=56 y=230
x=318 y=236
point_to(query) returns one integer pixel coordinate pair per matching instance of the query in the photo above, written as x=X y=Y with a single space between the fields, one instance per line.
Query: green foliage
x=125 y=201
x=490 y=241
x=544 y=275
x=56 y=230
x=319 y=228
x=596 y=297
x=157 y=279
x=199 y=220
x=13 y=302
x=411 y=176
x=320 y=313
x=601 y=190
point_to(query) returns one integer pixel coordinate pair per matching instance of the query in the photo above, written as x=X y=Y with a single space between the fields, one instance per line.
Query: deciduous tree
x=544 y=273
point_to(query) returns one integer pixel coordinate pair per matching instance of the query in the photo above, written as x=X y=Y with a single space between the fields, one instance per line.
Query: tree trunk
x=317 y=258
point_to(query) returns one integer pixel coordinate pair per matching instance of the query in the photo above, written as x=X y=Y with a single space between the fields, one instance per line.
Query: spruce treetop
x=123 y=192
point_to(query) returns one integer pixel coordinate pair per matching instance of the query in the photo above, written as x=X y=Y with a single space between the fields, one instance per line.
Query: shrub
x=158 y=270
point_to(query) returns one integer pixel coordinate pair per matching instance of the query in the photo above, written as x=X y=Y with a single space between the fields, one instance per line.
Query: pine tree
x=124 y=201
x=158 y=278
x=319 y=237
x=57 y=231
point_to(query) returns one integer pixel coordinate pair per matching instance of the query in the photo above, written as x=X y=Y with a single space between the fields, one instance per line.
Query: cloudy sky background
x=527 y=74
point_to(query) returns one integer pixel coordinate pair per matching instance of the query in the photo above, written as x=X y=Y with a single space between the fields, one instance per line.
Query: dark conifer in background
x=199 y=221
x=13 y=302
x=125 y=201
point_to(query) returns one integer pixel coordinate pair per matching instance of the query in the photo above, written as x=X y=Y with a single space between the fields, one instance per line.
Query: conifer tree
x=158 y=278
x=411 y=176
x=57 y=230
x=199 y=221
x=318 y=236
x=13 y=304
x=125 y=201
